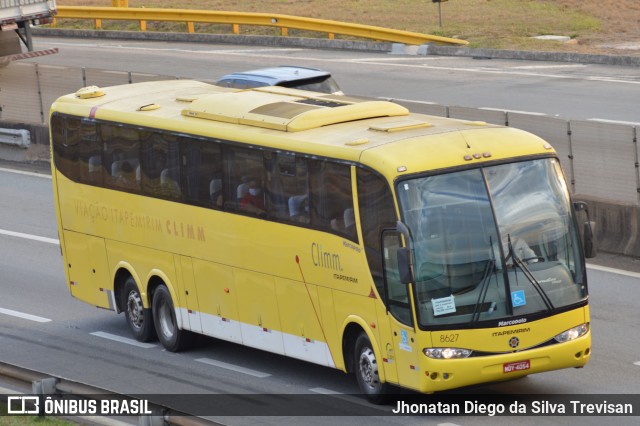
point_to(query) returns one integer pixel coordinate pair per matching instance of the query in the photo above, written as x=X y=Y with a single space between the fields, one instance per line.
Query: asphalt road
x=42 y=327
x=569 y=90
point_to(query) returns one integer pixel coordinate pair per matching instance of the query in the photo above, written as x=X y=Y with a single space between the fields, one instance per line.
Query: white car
x=287 y=76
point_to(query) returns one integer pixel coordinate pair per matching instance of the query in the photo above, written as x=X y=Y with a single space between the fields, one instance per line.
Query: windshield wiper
x=484 y=287
x=527 y=273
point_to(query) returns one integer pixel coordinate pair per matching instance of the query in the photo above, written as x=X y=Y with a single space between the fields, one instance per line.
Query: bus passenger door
x=189 y=307
x=399 y=314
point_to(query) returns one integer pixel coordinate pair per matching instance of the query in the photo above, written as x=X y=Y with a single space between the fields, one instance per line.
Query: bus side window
x=330 y=198
x=377 y=212
x=122 y=153
x=161 y=165
x=202 y=172
x=244 y=173
x=65 y=132
x=287 y=188
x=91 y=170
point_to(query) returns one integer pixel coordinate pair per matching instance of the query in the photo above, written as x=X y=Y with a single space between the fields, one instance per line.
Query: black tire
x=366 y=369
x=164 y=316
x=138 y=317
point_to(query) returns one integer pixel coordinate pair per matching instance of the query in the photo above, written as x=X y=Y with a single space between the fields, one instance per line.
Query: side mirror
x=589 y=242
x=405 y=260
x=404 y=265
x=588 y=231
x=580 y=206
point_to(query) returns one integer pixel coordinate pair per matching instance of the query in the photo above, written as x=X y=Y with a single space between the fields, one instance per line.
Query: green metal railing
x=235 y=19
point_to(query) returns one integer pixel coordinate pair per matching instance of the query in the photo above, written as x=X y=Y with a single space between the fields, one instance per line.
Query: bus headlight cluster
x=572 y=333
x=447 y=353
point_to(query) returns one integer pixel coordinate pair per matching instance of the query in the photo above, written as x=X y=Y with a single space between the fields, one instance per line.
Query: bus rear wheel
x=367 y=371
x=138 y=318
x=164 y=316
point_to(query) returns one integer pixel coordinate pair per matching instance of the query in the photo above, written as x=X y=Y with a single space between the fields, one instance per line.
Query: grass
x=29 y=420
x=499 y=24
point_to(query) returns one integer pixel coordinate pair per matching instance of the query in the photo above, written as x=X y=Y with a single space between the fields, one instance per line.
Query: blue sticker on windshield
x=518 y=298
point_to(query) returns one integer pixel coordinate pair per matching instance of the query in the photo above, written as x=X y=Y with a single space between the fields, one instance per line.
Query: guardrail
x=46 y=387
x=15 y=137
x=235 y=19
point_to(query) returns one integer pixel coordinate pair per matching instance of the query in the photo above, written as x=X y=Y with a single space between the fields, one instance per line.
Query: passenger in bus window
x=299 y=208
x=253 y=200
x=215 y=192
x=126 y=177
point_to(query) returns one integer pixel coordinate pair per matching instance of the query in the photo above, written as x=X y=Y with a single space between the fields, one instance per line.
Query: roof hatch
x=286 y=112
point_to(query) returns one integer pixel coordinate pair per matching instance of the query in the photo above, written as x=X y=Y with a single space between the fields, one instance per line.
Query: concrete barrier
x=617 y=225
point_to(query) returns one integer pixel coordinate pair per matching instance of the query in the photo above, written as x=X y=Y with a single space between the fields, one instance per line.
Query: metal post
x=440 y=14
x=27 y=34
x=42 y=117
x=572 y=175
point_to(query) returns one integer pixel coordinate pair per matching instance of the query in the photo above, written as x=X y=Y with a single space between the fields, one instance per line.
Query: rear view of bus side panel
x=86 y=262
x=217 y=300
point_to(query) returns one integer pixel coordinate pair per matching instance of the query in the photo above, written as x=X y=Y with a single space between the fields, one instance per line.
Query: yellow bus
x=411 y=250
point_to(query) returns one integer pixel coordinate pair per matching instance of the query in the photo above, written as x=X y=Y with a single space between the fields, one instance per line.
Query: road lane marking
x=22 y=315
x=233 y=367
x=540 y=67
x=351 y=399
x=613 y=270
x=176 y=49
x=29 y=237
x=324 y=391
x=22 y=172
x=514 y=111
x=408 y=100
x=604 y=120
x=637 y=363
x=121 y=339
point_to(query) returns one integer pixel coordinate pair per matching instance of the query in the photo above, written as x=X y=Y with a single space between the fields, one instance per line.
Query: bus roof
x=381 y=134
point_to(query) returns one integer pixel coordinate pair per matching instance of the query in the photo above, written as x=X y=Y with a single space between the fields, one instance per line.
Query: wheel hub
x=135 y=309
x=369 y=368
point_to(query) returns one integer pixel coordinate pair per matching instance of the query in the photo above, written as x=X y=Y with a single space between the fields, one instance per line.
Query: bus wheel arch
x=369 y=371
x=362 y=359
x=349 y=337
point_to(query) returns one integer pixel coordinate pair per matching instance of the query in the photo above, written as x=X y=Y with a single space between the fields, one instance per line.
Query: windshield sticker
x=404 y=341
x=518 y=298
x=444 y=305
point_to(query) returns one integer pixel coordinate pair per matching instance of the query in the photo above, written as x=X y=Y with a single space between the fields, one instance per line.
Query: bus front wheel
x=139 y=318
x=367 y=371
x=164 y=316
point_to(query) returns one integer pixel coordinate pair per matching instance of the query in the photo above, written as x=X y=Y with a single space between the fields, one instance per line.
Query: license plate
x=512 y=367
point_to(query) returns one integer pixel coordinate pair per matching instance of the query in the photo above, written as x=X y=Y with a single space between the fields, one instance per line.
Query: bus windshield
x=493 y=243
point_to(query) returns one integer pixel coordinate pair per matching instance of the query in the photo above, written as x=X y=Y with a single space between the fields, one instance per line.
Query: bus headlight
x=447 y=353
x=572 y=333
